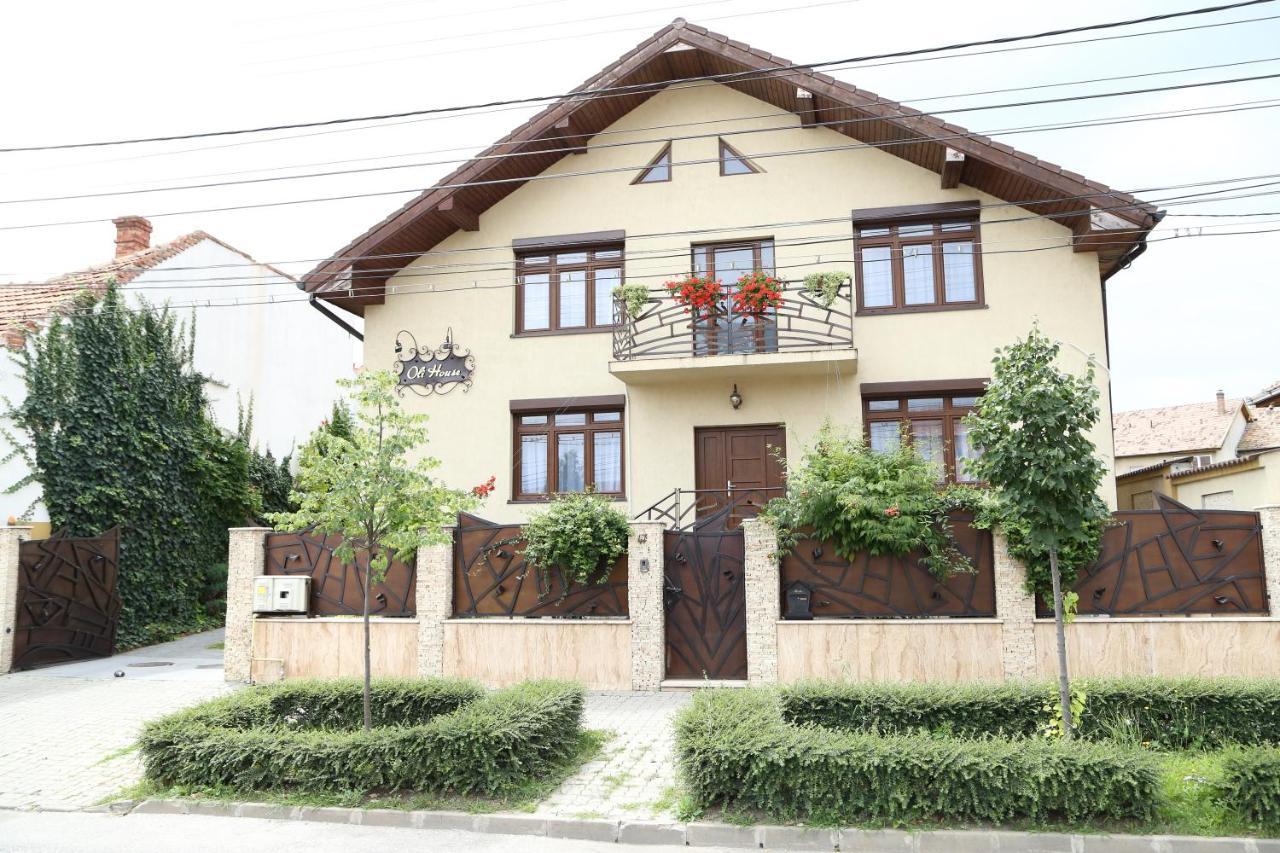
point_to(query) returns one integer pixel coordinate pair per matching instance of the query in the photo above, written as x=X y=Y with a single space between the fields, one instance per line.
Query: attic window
x=733 y=162
x=659 y=168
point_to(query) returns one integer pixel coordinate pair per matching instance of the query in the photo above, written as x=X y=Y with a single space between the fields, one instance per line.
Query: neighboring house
x=957 y=245
x=1218 y=455
x=1268 y=397
x=257 y=338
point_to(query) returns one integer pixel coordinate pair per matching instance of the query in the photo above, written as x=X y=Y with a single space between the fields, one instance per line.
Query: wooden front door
x=738 y=467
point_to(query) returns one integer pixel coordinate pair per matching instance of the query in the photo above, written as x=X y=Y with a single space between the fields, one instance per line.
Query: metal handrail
x=665 y=329
x=673 y=510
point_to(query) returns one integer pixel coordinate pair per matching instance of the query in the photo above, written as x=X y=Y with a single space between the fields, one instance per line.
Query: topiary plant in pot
x=580 y=534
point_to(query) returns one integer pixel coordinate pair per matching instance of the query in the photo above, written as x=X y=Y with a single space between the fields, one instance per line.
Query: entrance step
x=674 y=684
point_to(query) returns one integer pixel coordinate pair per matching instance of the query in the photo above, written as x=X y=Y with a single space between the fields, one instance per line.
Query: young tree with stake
x=366 y=487
x=1032 y=424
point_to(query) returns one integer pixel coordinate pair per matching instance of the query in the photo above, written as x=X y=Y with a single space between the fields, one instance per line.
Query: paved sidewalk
x=635 y=773
x=64 y=727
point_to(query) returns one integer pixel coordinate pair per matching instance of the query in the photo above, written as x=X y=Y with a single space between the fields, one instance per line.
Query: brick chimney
x=1222 y=402
x=133 y=234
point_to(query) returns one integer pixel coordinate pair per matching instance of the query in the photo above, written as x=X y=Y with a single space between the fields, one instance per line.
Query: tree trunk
x=1060 y=629
x=368 y=715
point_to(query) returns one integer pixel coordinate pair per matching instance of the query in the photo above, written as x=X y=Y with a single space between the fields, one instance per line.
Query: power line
x=759 y=156
x=235 y=302
x=976 y=208
x=644 y=87
x=627 y=144
x=784 y=74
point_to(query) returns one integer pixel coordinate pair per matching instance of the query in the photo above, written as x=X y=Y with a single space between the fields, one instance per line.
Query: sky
x=1195 y=314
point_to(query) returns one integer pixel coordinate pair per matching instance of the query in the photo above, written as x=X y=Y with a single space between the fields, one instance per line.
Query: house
x=1267 y=397
x=492 y=292
x=1213 y=455
x=257 y=340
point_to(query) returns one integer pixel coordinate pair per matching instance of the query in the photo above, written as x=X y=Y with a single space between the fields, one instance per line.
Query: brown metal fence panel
x=893 y=587
x=491 y=578
x=337 y=588
x=1175 y=560
x=68 y=604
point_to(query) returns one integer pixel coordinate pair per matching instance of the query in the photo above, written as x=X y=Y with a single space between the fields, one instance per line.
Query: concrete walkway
x=635 y=774
x=66 y=728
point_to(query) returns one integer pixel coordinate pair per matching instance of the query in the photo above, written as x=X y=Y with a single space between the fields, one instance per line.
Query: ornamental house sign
x=429 y=371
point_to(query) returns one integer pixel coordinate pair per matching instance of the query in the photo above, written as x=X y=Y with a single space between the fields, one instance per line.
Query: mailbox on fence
x=799 y=601
x=281 y=594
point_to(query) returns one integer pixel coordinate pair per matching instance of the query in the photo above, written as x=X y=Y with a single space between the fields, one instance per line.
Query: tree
x=118 y=434
x=1032 y=424
x=368 y=488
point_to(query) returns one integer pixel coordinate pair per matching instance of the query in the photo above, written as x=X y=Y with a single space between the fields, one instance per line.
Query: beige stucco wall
x=498 y=652
x=1156 y=482
x=471 y=431
x=332 y=647
x=1203 y=646
x=1252 y=485
x=890 y=650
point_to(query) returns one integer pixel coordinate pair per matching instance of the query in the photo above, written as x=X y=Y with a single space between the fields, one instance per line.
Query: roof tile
x=1173 y=429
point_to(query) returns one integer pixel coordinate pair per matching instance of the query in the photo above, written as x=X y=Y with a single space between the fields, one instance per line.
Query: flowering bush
x=486 y=488
x=757 y=292
x=699 y=294
x=871 y=503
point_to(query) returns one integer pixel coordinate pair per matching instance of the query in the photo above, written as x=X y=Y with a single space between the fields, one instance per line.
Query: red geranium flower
x=757 y=292
x=486 y=488
x=699 y=294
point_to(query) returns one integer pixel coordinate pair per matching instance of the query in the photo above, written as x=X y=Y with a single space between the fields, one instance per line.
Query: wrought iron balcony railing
x=665 y=329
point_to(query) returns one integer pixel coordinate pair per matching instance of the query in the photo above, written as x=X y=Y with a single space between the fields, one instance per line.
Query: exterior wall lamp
x=735 y=399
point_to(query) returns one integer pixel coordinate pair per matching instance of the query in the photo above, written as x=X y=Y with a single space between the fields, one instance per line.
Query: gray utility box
x=281 y=593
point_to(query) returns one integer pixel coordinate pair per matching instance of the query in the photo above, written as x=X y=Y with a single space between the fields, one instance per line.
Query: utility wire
x=633 y=168
x=632 y=143
x=643 y=87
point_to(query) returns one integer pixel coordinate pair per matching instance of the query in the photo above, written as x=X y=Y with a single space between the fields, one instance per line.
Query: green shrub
x=735 y=749
x=435 y=734
x=1167 y=713
x=580 y=533
x=1251 y=785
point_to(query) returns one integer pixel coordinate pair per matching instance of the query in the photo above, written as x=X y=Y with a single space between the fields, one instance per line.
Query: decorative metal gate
x=67 y=599
x=1175 y=560
x=337 y=588
x=704 y=598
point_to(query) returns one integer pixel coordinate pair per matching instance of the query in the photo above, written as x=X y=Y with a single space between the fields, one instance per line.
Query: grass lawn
x=522 y=798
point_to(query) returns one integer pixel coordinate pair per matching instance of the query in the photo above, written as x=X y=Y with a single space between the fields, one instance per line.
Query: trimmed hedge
x=1168 y=713
x=735 y=749
x=434 y=734
x=1251 y=785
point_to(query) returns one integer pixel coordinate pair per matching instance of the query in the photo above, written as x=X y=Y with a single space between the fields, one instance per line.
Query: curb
x=705 y=834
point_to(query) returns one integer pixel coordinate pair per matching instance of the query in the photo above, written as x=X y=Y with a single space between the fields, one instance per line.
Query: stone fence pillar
x=763 y=592
x=1016 y=609
x=10 y=537
x=644 y=604
x=433 y=591
x=246 y=556
x=1270 y=518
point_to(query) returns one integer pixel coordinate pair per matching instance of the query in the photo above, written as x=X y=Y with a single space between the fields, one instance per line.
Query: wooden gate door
x=705 y=601
x=67 y=599
x=737 y=467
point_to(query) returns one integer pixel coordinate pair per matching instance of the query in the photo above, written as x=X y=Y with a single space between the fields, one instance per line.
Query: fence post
x=644 y=604
x=10 y=538
x=763 y=607
x=433 y=591
x=246 y=554
x=1016 y=609
x=1269 y=516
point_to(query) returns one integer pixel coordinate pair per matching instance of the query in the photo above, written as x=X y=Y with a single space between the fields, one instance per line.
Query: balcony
x=801 y=336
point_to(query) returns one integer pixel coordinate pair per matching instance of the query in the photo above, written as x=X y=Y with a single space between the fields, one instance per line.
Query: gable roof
x=25 y=306
x=1263 y=432
x=1173 y=429
x=1269 y=396
x=356 y=275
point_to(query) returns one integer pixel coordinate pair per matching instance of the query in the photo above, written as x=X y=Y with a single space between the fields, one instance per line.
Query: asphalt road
x=74 y=832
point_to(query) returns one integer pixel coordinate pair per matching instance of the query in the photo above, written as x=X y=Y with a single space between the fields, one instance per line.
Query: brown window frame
x=552 y=268
x=551 y=430
x=949 y=414
x=926 y=215
x=711 y=344
x=752 y=168
x=639 y=180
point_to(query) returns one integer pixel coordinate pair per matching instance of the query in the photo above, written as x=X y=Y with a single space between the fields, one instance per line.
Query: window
x=730 y=332
x=918 y=265
x=658 y=170
x=932 y=423
x=734 y=162
x=1142 y=500
x=1203 y=460
x=568 y=450
x=567 y=290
